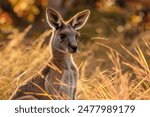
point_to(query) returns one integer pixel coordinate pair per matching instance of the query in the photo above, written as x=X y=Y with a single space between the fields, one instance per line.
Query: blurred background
x=108 y=57
x=109 y=17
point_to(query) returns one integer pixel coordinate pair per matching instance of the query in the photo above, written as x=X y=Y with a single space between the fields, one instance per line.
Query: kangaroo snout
x=74 y=48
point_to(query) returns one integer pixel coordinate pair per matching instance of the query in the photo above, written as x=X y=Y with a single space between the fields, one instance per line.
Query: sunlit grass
x=116 y=82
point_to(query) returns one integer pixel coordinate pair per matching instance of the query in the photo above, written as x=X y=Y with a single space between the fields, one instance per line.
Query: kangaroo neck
x=61 y=60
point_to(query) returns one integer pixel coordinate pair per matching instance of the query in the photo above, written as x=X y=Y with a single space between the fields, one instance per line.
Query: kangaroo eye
x=62 y=36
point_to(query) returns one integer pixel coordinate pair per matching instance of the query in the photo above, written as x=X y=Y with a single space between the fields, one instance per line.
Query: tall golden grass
x=126 y=80
x=105 y=72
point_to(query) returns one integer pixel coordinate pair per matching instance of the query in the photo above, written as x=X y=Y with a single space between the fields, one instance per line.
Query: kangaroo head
x=65 y=35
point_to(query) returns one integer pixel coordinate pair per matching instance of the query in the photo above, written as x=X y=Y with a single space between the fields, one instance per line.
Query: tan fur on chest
x=63 y=85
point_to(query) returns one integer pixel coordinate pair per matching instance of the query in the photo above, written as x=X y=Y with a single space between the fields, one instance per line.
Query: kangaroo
x=58 y=78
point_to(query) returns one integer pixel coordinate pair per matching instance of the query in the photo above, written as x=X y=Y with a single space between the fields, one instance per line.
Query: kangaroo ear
x=53 y=18
x=78 y=21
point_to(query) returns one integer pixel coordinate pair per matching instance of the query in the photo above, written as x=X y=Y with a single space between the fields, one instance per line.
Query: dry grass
x=125 y=80
x=119 y=75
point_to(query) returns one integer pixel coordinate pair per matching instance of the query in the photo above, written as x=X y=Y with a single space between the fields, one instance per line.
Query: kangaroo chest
x=68 y=83
x=61 y=86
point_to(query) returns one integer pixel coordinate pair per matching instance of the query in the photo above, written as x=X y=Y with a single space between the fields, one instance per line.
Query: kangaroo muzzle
x=72 y=48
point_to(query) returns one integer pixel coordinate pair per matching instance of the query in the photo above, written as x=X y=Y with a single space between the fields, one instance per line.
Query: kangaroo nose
x=74 y=48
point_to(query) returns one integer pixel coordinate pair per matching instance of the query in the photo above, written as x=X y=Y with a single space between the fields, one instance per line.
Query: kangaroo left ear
x=78 y=21
x=54 y=19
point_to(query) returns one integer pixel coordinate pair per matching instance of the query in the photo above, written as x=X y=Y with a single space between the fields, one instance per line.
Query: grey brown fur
x=58 y=78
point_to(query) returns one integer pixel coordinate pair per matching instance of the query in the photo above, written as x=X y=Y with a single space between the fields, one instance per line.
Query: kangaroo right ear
x=53 y=18
x=78 y=21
